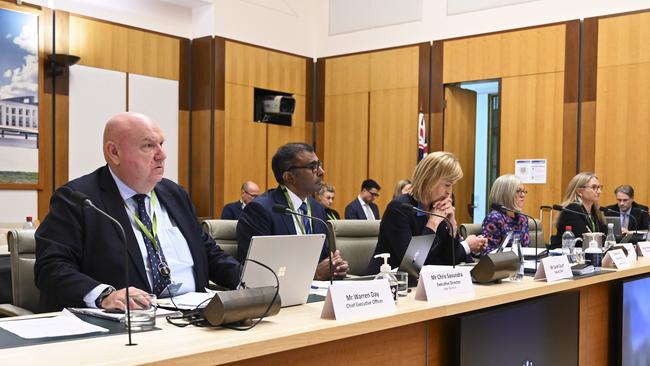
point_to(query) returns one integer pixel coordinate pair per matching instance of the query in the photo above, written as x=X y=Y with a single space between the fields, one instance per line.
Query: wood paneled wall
x=623 y=104
x=530 y=64
x=243 y=148
x=371 y=111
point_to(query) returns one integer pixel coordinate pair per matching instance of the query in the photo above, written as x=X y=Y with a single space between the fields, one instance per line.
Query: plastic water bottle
x=29 y=224
x=516 y=248
x=610 y=239
x=569 y=244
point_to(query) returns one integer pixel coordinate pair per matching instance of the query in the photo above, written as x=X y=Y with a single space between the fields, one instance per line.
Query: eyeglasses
x=522 y=191
x=313 y=166
x=595 y=187
x=250 y=194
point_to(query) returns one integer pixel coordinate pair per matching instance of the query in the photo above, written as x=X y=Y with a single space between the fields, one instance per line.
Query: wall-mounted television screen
x=635 y=322
x=540 y=331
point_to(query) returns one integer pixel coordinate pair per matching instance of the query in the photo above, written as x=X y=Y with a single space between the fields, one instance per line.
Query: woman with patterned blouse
x=507 y=191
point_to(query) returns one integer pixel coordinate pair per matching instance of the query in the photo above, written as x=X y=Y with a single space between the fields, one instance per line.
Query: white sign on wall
x=531 y=171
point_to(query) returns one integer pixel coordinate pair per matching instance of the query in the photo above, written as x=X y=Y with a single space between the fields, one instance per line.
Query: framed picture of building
x=19 y=119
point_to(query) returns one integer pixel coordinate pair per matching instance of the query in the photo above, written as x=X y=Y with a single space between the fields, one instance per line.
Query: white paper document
x=188 y=301
x=66 y=324
x=103 y=314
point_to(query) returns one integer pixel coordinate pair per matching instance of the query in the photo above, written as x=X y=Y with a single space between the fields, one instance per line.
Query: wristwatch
x=109 y=290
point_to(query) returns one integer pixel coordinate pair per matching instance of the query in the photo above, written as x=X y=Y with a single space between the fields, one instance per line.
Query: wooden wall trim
x=436 y=124
x=570 y=125
x=184 y=75
x=589 y=70
x=424 y=85
x=219 y=123
x=220 y=73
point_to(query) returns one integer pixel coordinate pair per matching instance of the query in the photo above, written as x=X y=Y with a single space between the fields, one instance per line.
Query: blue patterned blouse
x=497 y=225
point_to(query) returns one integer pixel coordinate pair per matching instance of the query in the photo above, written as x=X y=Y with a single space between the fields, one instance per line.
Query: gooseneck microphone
x=409 y=207
x=562 y=208
x=285 y=210
x=502 y=208
x=82 y=200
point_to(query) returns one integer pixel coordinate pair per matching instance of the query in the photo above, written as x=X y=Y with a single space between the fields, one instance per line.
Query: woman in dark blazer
x=433 y=179
x=582 y=195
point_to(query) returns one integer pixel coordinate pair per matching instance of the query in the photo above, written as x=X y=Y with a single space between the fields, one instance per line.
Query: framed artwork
x=19 y=119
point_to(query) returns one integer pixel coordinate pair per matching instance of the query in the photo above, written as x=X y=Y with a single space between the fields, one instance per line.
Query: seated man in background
x=80 y=254
x=626 y=207
x=299 y=174
x=326 y=198
x=364 y=208
x=232 y=211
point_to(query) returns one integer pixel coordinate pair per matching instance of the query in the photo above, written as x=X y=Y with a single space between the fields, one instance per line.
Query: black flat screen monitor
x=540 y=331
x=635 y=322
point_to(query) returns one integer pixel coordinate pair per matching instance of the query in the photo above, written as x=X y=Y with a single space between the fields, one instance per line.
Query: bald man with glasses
x=233 y=210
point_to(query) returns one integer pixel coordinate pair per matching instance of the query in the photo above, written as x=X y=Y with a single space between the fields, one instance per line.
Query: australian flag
x=423 y=149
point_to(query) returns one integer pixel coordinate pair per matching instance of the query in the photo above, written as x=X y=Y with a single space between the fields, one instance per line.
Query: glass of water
x=143 y=313
x=402 y=283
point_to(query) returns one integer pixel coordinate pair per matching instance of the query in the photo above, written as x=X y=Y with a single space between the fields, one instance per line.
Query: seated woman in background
x=433 y=179
x=507 y=191
x=402 y=187
x=326 y=198
x=582 y=195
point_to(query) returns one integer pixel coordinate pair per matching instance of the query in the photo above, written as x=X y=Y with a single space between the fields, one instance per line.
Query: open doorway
x=471 y=131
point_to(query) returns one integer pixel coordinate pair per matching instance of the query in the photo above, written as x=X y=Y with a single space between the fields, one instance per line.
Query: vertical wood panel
x=392 y=151
x=394 y=69
x=346 y=156
x=594 y=339
x=436 y=125
x=245 y=143
x=531 y=127
x=623 y=40
x=99 y=44
x=153 y=55
x=286 y=73
x=184 y=148
x=200 y=162
x=460 y=132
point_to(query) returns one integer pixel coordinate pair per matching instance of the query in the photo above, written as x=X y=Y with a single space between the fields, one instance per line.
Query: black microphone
x=561 y=208
x=284 y=210
x=82 y=200
x=498 y=207
x=409 y=207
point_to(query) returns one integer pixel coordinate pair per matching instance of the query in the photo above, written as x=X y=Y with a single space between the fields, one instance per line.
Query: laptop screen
x=415 y=255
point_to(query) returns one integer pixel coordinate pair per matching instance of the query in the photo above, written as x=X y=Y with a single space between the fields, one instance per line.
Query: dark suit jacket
x=639 y=217
x=232 y=211
x=332 y=213
x=78 y=249
x=354 y=211
x=578 y=223
x=259 y=219
x=395 y=232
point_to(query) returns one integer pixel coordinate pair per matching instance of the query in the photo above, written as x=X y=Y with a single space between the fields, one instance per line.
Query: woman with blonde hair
x=402 y=187
x=433 y=179
x=326 y=197
x=507 y=191
x=582 y=195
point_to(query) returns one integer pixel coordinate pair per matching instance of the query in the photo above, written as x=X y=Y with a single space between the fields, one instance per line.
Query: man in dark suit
x=80 y=255
x=631 y=215
x=364 y=208
x=299 y=174
x=232 y=211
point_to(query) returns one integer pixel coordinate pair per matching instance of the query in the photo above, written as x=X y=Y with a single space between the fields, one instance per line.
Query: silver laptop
x=293 y=258
x=616 y=220
x=415 y=255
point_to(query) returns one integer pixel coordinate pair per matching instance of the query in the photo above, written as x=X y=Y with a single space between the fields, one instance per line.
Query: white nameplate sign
x=553 y=268
x=616 y=259
x=643 y=248
x=357 y=299
x=631 y=252
x=444 y=282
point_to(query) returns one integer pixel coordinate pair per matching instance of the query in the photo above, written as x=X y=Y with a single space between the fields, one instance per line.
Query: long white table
x=297 y=335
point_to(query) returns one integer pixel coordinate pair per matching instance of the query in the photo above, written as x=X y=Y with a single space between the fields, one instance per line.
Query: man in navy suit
x=299 y=174
x=80 y=254
x=232 y=211
x=364 y=208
